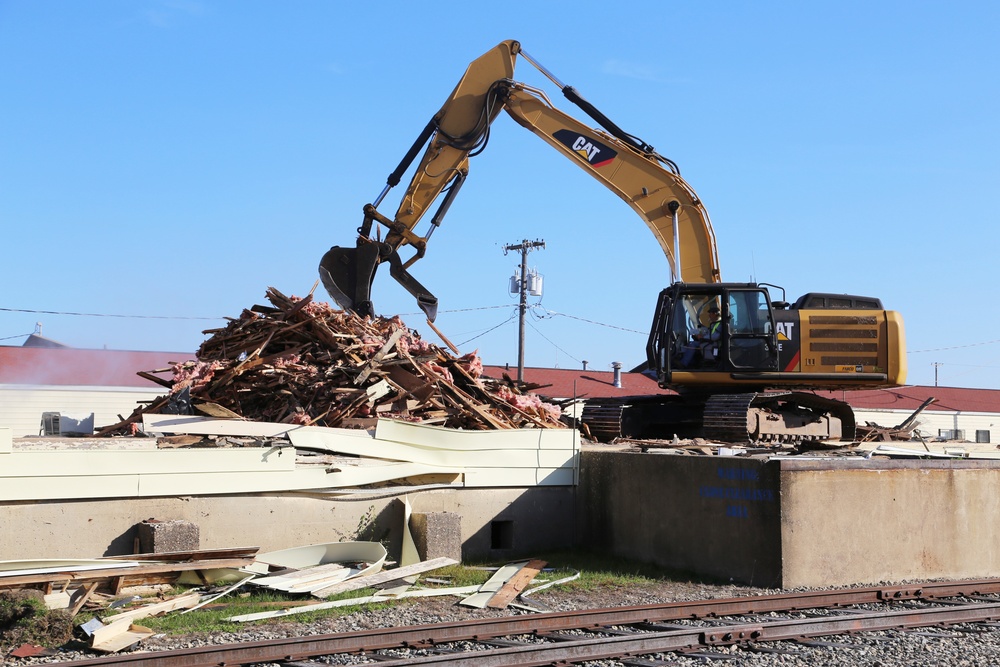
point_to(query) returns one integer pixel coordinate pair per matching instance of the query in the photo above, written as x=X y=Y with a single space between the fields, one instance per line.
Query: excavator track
x=603 y=418
x=650 y=417
x=764 y=417
x=776 y=417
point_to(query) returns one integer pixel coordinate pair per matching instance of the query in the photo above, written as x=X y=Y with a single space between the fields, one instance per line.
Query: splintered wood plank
x=195 y=554
x=216 y=410
x=471 y=404
x=492 y=585
x=119 y=632
x=444 y=338
x=179 y=602
x=516 y=584
x=84 y=594
x=374 y=363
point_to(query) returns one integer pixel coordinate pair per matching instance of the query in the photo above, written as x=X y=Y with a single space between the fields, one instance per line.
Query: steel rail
x=297 y=648
x=603 y=648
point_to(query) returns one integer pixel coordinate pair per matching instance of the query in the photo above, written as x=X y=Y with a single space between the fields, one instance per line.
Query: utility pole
x=523 y=247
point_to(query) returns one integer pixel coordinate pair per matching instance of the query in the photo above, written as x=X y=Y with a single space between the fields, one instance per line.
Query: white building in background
x=46 y=388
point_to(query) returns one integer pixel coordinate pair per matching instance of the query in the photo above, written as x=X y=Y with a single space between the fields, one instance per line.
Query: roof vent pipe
x=584 y=364
x=617 y=367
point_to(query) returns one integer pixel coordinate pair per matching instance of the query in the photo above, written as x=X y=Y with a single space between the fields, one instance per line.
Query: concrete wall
x=496 y=523
x=891 y=520
x=795 y=522
x=715 y=516
x=773 y=523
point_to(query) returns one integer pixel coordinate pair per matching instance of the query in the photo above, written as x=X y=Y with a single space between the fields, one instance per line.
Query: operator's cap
x=713 y=309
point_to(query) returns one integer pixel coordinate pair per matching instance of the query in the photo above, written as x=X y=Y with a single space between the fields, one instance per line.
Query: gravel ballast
x=958 y=646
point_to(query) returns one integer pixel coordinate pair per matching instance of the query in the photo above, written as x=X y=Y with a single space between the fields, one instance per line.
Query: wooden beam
x=516 y=584
x=84 y=593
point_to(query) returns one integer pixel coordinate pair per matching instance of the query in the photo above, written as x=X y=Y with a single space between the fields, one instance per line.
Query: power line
x=17 y=336
x=512 y=315
x=460 y=310
x=134 y=317
x=548 y=313
x=552 y=343
x=600 y=324
x=955 y=347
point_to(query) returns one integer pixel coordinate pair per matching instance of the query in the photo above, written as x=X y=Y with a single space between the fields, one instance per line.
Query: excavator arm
x=649 y=183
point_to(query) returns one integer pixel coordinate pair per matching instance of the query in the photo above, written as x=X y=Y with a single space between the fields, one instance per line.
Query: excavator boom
x=649 y=183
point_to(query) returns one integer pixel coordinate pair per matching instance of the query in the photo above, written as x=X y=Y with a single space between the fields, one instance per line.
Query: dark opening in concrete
x=501 y=534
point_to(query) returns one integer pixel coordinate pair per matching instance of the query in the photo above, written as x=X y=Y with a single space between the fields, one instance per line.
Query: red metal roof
x=911 y=397
x=566 y=383
x=75 y=367
x=118 y=368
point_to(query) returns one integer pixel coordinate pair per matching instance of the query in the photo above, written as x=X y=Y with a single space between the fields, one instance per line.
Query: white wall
x=21 y=406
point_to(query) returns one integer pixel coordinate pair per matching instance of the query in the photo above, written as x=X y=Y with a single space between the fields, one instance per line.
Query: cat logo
x=591 y=151
x=785 y=330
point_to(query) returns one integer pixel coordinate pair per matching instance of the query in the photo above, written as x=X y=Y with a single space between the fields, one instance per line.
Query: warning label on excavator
x=590 y=150
x=851 y=369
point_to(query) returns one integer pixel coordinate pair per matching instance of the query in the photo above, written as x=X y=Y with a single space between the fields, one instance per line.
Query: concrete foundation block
x=437 y=534
x=157 y=537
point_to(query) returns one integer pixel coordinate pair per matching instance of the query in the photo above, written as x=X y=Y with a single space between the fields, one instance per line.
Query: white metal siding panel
x=21 y=406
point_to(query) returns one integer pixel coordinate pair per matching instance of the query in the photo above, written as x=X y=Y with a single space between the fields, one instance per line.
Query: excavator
x=743 y=366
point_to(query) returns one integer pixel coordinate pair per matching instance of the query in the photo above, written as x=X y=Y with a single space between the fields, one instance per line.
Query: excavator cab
x=707 y=334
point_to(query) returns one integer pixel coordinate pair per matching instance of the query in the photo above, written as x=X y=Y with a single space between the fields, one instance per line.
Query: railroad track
x=637 y=635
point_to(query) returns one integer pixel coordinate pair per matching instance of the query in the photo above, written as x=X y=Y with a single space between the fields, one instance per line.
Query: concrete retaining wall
x=897 y=520
x=779 y=523
x=795 y=522
x=716 y=516
x=495 y=523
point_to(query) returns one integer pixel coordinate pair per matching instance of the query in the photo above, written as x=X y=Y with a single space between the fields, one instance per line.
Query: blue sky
x=163 y=162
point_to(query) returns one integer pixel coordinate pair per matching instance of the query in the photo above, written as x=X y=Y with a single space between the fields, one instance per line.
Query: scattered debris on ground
x=38 y=604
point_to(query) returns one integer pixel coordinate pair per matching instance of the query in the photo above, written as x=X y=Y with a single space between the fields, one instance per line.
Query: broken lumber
x=301 y=362
x=516 y=584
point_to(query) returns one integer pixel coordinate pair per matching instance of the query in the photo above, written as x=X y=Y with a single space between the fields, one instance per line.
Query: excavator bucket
x=347 y=274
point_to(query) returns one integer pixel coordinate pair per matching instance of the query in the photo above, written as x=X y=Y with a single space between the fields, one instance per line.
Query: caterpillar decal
x=591 y=151
x=786 y=323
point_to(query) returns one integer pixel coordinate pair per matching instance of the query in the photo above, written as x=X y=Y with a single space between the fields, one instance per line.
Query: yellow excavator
x=744 y=366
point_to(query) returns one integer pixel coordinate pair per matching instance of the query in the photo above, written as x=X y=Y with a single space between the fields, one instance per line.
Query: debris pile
x=114 y=592
x=300 y=361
